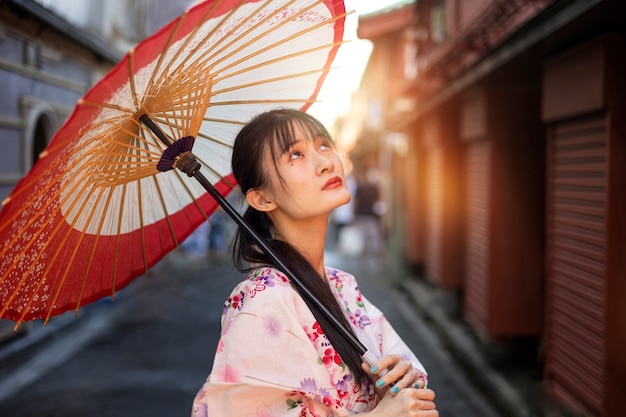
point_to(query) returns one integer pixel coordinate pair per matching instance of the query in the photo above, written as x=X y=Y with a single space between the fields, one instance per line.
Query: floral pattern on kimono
x=274 y=360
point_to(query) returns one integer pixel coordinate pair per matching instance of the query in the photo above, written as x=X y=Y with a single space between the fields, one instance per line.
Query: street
x=147 y=353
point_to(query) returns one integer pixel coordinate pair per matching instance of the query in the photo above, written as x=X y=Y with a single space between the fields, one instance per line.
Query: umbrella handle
x=193 y=170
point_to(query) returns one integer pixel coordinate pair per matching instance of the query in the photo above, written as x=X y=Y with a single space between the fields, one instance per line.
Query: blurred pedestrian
x=343 y=215
x=369 y=208
x=278 y=355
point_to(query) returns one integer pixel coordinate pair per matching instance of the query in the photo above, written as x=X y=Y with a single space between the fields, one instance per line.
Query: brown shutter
x=477 y=236
x=576 y=276
x=434 y=213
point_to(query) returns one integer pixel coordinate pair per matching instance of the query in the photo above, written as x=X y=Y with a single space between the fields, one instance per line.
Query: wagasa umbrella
x=111 y=194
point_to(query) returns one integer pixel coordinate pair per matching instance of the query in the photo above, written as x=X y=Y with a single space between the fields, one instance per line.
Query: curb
x=504 y=394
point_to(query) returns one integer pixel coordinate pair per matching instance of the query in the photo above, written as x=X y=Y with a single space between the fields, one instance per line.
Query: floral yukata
x=273 y=358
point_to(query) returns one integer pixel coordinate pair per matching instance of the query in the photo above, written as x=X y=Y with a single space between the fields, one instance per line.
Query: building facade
x=512 y=182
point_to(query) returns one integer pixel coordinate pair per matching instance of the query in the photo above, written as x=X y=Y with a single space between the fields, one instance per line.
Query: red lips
x=333 y=183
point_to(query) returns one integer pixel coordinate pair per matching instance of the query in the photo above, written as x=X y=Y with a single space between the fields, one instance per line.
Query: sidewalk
x=509 y=390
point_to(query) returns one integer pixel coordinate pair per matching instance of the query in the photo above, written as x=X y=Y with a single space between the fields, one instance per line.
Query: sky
x=344 y=78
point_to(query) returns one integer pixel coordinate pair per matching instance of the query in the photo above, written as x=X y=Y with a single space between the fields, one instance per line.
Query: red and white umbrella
x=95 y=211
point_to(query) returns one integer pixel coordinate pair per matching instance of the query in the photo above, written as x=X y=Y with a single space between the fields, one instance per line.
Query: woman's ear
x=259 y=201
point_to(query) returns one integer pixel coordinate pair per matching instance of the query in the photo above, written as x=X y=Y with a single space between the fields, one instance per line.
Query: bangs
x=292 y=129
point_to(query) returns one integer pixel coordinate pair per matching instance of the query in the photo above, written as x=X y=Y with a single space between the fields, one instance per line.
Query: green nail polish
x=374 y=368
x=395 y=390
x=380 y=383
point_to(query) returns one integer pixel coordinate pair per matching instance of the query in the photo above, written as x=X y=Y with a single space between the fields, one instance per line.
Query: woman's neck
x=308 y=237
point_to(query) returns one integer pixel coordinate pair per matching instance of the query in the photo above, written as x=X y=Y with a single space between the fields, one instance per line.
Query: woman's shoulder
x=260 y=284
x=340 y=277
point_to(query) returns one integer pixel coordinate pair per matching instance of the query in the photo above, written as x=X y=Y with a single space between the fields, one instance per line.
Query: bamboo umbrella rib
x=142 y=227
x=131 y=76
x=83 y=102
x=112 y=122
x=227 y=121
x=202 y=103
x=93 y=249
x=256 y=39
x=268 y=80
x=211 y=34
x=167 y=214
x=135 y=135
x=209 y=55
x=185 y=185
x=163 y=54
x=260 y=101
x=215 y=140
x=118 y=239
x=268 y=62
x=191 y=35
x=177 y=128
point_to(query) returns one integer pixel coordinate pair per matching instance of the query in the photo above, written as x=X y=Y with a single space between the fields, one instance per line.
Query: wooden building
x=514 y=181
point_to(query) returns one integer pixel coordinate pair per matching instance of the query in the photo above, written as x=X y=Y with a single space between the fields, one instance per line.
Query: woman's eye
x=295 y=155
x=325 y=145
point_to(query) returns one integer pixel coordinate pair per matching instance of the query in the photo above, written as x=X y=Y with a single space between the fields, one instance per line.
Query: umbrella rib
x=197 y=27
x=227 y=121
x=144 y=250
x=93 y=249
x=167 y=215
x=267 y=101
x=104 y=105
x=190 y=193
x=269 y=62
x=215 y=140
x=254 y=40
x=268 y=80
x=168 y=44
x=131 y=76
x=117 y=240
x=211 y=33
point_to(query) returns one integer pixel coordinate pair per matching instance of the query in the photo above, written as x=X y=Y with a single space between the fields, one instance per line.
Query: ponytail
x=246 y=252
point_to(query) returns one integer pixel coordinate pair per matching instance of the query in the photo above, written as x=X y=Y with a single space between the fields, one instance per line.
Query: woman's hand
x=396 y=373
x=409 y=402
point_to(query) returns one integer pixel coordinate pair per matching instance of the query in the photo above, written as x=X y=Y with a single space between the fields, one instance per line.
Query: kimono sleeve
x=265 y=361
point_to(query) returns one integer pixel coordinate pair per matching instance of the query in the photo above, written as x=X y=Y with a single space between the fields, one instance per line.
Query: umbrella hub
x=187 y=163
x=178 y=155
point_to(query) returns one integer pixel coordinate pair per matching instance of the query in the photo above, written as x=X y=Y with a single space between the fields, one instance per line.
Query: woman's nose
x=324 y=163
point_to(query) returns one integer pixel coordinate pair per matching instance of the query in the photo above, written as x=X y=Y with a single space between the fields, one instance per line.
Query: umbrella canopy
x=95 y=211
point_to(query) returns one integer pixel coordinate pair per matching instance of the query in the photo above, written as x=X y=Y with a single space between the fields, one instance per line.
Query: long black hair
x=272 y=133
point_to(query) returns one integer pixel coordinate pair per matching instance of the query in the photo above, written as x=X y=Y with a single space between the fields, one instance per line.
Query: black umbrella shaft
x=234 y=214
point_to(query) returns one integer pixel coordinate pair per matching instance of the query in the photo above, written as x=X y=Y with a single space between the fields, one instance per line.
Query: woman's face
x=308 y=179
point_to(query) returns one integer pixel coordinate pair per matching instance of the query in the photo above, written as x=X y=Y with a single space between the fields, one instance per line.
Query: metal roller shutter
x=576 y=264
x=477 y=236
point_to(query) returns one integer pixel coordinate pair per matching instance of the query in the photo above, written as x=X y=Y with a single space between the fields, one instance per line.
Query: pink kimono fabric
x=274 y=360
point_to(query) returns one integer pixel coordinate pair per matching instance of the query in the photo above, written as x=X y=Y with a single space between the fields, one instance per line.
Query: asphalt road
x=147 y=353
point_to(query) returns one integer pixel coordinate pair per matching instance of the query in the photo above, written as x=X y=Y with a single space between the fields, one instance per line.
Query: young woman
x=277 y=355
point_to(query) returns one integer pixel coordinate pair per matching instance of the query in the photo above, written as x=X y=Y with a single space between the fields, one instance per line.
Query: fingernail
x=380 y=383
x=416 y=386
x=374 y=368
x=395 y=390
